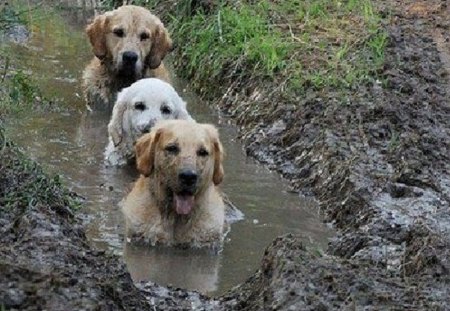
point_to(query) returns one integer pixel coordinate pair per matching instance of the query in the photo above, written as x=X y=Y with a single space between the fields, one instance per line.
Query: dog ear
x=115 y=126
x=182 y=113
x=218 y=158
x=161 y=45
x=96 y=32
x=218 y=154
x=145 y=152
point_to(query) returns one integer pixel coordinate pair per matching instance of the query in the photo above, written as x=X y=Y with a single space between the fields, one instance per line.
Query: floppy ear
x=218 y=158
x=161 y=45
x=182 y=113
x=145 y=152
x=96 y=32
x=218 y=154
x=115 y=126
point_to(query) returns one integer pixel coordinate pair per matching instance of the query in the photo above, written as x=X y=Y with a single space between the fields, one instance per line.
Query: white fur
x=128 y=123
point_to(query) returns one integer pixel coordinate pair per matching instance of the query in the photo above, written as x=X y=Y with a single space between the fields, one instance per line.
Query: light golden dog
x=175 y=201
x=129 y=44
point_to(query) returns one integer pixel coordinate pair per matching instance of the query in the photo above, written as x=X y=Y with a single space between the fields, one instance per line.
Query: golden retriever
x=175 y=201
x=129 y=44
x=136 y=111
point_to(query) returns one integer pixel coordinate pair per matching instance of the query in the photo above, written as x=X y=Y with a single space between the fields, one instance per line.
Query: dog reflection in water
x=196 y=269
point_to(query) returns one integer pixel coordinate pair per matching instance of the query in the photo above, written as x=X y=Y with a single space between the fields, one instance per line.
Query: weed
x=298 y=43
x=394 y=142
x=23 y=182
x=242 y=39
x=9 y=16
x=19 y=92
x=378 y=44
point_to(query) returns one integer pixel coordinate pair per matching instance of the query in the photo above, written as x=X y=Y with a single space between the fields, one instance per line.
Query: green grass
x=301 y=44
x=23 y=183
x=10 y=16
x=339 y=43
x=229 y=38
x=19 y=91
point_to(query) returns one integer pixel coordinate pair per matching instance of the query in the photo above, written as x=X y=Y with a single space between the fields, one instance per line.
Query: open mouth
x=128 y=71
x=184 y=202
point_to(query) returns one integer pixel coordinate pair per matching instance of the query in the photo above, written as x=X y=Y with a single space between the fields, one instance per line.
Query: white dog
x=136 y=110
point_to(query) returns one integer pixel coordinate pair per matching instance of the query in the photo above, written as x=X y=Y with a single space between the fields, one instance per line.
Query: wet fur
x=148 y=209
x=102 y=79
x=127 y=123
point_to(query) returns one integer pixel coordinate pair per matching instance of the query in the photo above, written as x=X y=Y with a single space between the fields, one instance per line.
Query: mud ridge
x=46 y=261
x=377 y=158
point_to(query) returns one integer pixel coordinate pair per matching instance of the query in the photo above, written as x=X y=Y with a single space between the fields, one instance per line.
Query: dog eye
x=166 y=110
x=119 y=32
x=139 y=106
x=202 y=152
x=173 y=149
x=144 y=36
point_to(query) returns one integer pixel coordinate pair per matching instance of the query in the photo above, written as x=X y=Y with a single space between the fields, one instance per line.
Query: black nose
x=147 y=128
x=129 y=57
x=188 y=177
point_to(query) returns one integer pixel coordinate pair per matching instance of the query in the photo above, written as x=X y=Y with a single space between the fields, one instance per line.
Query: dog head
x=129 y=40
x=140 y=105
x=184 y=157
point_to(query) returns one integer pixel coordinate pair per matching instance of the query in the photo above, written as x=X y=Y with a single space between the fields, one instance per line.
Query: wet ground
x=377 y=159
x=71 y=143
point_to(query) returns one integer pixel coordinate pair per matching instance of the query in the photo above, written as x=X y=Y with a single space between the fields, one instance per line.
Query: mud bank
x=376 y=156
x=46 y=261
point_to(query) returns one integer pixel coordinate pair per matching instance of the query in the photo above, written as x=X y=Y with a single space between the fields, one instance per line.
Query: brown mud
x=378 y=160
x=46 y=261
x=376 y=157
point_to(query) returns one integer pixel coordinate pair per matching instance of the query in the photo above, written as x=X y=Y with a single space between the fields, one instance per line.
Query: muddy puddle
x=71 y=143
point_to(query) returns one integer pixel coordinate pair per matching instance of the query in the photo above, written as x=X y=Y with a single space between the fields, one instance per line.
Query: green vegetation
x=9 y=16
x=231 y=38
x=18 y=91
x=23 y=183
x=300 y=44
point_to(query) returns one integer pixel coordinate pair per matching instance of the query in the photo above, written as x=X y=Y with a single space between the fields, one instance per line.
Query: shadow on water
x=71 y=143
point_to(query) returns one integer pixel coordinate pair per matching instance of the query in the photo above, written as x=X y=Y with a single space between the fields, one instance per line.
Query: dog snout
x=146 y=128
x=188 y=177
x=129 y=58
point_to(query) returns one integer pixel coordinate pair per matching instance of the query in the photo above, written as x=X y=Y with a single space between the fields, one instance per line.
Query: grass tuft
x=229 y=38
x=23 y=183
x=300 y=44
x=19 y=92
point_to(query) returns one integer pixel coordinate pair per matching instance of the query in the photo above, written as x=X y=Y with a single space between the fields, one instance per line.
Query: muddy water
x=72 y=142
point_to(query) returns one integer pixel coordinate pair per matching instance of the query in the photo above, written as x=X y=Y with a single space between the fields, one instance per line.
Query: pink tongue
x=184 y=204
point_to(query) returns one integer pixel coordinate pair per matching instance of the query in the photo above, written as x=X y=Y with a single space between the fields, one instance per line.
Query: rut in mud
x=377 y=158
x=46 y=260
x=375 y=155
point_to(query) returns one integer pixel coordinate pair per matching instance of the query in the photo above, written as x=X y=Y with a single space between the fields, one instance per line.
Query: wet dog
x=136 y=111
x=129 y=44
x=176 y=201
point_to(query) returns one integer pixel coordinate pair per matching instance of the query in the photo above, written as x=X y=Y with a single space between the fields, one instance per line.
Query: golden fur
x=128 y=29
x=152 y=209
